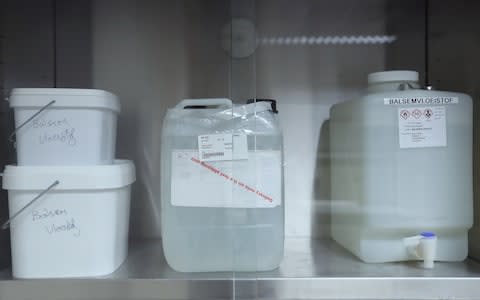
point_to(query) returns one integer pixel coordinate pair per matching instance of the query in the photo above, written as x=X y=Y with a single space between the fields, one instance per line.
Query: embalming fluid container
x=222 y=186
x=402 y=171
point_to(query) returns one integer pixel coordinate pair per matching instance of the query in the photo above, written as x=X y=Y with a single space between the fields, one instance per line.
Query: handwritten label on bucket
x=215 y=147
x=252 y=183
x=56 y=221
x=56 y=130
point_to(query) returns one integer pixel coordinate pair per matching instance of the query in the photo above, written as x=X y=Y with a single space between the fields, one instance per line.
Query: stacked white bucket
x=65 y=141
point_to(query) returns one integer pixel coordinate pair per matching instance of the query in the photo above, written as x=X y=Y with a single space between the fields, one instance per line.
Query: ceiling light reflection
x=327 y=40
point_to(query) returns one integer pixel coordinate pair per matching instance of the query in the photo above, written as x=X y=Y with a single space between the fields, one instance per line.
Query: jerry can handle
x=204 y=102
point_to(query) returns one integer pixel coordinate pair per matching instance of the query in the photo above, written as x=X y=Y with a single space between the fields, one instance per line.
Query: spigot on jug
x=423 y=247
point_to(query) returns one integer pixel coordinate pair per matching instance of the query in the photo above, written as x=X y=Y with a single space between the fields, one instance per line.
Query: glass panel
x=289 y=152
x=453 y=62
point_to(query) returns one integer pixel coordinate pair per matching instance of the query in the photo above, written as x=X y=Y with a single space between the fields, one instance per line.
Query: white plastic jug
x=222 y=186
x=402 y=165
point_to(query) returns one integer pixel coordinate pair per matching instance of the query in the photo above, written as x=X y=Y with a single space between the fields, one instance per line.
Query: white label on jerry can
x=421 y=127
x=255 y=182
x=420 y=100
x=214 y=147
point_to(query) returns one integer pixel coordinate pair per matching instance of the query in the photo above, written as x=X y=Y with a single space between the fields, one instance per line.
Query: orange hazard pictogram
x=417 y=113
x=428 y=113
x=405 y=114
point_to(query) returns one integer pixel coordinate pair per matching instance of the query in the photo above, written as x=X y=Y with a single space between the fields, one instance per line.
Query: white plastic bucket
x=79 y=228
x=78 y=128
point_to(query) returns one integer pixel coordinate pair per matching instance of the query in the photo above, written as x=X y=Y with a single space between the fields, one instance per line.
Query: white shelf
x=311 y=269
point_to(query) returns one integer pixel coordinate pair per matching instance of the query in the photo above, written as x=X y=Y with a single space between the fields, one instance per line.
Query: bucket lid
x=389 y=76
x=78 y=98
x=119 y=174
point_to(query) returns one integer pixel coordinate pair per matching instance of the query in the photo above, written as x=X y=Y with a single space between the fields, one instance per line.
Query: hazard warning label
x=420 y=127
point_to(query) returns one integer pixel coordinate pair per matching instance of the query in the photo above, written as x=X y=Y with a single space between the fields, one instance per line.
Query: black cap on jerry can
x=272 y=102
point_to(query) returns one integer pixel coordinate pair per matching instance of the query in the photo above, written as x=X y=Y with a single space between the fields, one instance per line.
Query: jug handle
x=204 y=102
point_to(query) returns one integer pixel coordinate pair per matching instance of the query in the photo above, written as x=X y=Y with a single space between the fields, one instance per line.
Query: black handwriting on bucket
x=66 y=136
x=48 y=213
x=68 y=226
x=48 y=123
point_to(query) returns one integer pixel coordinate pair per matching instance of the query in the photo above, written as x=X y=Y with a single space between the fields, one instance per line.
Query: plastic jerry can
x=401 y=171
x=222 y=186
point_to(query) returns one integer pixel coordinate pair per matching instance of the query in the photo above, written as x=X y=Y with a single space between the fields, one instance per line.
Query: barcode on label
x=212 y=154
x=224 y=146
